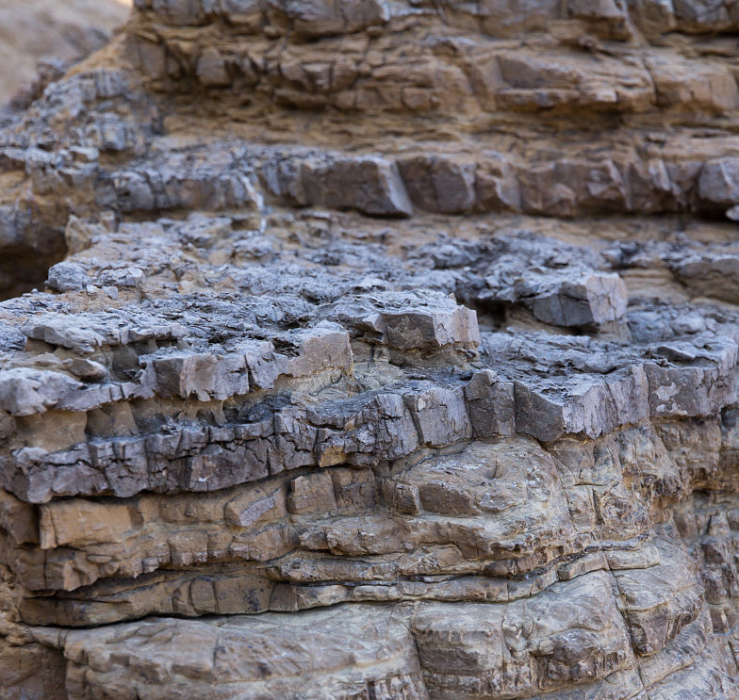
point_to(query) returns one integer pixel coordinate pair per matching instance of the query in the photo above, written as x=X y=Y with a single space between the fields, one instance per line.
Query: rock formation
x=375 y=350
x=54 y=32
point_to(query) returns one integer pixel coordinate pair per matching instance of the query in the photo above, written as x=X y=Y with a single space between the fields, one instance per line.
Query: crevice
x=23 y=269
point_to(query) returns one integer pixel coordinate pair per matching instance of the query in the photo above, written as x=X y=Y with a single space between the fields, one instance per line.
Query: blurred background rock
x=41 y=37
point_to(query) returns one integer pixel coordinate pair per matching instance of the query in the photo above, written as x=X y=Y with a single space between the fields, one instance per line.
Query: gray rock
x=27 y=392
x=67 y=277
x=369 y=185
x=718 y=184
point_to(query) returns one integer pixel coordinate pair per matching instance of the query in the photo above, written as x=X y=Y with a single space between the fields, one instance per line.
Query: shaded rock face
x=392 y=355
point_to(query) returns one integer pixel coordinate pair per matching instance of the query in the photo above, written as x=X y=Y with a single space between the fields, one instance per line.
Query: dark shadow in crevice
x=23 y=269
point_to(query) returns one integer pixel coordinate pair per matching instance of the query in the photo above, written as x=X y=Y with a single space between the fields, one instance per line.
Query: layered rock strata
x=385 y=350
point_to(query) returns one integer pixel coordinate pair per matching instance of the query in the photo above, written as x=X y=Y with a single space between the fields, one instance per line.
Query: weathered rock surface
x=378 y=350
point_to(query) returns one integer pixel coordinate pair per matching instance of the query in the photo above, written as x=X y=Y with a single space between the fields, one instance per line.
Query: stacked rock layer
x=385 y=350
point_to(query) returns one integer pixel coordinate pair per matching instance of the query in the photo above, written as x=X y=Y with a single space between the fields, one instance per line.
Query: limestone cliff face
x=386 y=350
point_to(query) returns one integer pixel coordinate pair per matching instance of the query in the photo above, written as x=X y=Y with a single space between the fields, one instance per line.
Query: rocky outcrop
x=378 y=350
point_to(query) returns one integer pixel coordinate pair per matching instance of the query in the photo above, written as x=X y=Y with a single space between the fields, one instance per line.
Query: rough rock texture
x=386 y=350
